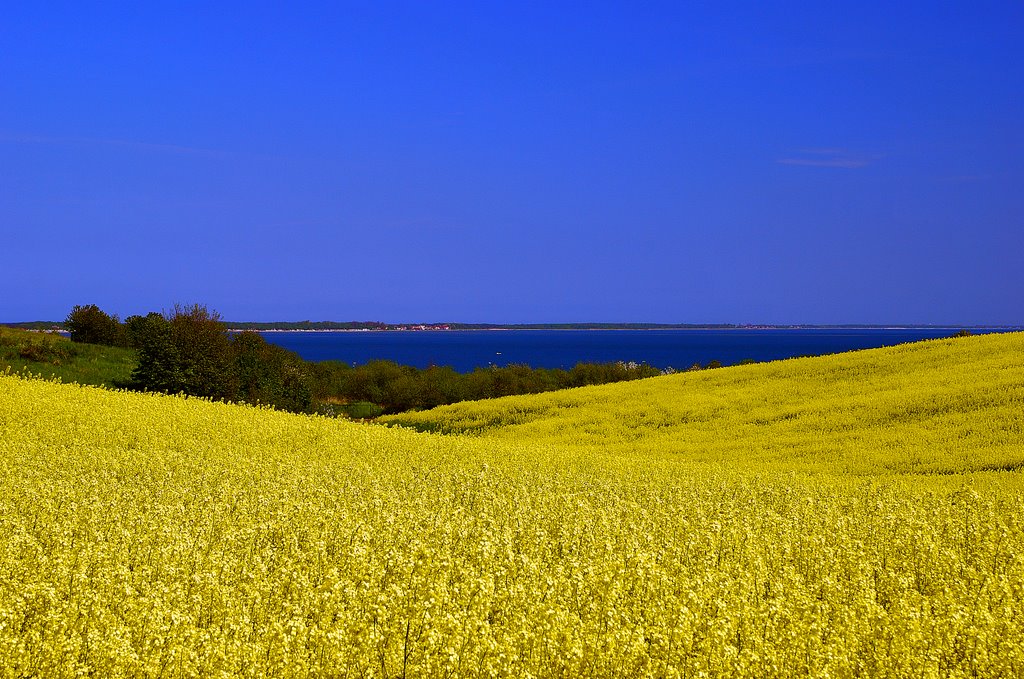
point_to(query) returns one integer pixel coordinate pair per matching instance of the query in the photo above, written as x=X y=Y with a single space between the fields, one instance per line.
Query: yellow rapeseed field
x=850 y=515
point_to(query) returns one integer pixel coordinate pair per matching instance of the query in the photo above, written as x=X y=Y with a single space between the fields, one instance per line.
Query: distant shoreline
x=596 y=328
x=371 y=326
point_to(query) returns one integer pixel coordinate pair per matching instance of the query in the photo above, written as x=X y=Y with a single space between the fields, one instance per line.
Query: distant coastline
x=368 y=326
x=442 y=327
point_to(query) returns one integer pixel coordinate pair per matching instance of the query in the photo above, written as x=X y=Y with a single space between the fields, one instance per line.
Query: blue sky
x=740 y=162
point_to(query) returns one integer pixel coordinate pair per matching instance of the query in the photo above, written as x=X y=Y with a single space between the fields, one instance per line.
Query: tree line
x=380 y=387
x=190 y=350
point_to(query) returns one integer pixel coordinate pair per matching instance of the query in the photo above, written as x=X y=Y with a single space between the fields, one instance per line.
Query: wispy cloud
x=828 y=157
x=965 y=178
x=127 y=144
x=826 y=162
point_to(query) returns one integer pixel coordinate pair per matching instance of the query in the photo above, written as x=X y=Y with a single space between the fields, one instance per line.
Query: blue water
x=465 y=350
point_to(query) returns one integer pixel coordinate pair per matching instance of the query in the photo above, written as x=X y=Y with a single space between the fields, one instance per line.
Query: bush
x=362 y=410
x=204 y=350
x=160 y=365
x=268 y=374
x=190 y=351
x=46 y=352
x=91 y=325
x=187 y=350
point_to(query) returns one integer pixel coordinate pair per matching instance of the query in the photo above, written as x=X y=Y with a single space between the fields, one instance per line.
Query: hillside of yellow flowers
x=849 y=515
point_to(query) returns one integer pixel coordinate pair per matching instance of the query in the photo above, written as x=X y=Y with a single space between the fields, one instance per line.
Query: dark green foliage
x=397 y=388
x=363 y=410
x=267 y=374
x=204 y=351
x=135 y=329
x=160 y=366
x=392 y=386
x=186 y=351
x=189 y=350
x=91 y=325
x=440 y=385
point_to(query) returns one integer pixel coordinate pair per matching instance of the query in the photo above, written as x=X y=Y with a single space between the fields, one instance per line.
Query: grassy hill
x=848 y=515
x=53 y=356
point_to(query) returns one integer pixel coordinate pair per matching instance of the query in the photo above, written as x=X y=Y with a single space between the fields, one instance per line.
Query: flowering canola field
x=851 y=515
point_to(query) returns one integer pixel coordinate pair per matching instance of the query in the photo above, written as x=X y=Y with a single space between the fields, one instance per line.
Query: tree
x=136 y=329
x=204 y=350
x=440 y=385
x=91 y=325
x=268 y=374
x=187 y=350
x=159 y=367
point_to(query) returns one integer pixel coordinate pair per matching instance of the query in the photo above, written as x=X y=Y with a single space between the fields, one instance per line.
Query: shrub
x=160 y=365
x=268 y=374
x=46 y=352
x=362 y=410
x=91 y=325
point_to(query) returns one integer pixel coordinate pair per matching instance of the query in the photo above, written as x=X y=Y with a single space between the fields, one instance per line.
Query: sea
x=465 y=350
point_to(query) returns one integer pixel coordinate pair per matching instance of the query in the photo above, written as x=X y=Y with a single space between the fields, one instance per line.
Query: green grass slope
x=52 y=356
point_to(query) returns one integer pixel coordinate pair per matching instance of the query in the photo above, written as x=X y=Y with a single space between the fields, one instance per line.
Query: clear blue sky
x=741 y=162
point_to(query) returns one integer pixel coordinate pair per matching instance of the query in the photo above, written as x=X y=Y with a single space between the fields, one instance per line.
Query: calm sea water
x=465 y=350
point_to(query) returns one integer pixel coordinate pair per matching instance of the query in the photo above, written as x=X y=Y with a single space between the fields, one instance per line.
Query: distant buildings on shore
x=438 y=326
